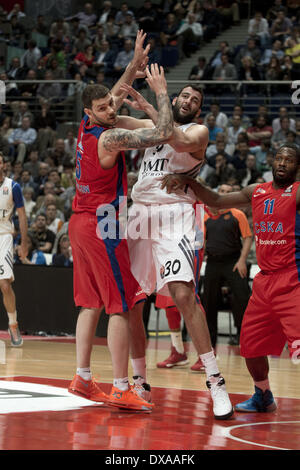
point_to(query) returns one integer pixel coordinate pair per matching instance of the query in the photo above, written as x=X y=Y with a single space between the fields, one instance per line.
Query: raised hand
x=156 y=79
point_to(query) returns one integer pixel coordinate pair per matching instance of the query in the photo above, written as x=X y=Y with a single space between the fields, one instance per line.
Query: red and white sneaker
x=175 y=359
x=198 y=366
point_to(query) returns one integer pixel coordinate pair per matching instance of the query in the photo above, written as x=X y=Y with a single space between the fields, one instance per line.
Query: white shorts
x=6 y=256
x=161 y=241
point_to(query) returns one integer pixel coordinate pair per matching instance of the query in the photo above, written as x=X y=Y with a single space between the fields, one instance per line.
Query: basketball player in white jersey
x=162 y=261
x=10 y=198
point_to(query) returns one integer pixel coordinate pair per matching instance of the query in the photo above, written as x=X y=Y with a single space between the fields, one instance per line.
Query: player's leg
x=9 y=301
x=183 y=294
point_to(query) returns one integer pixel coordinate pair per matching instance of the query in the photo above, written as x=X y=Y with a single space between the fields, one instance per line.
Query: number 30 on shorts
x=170 y=268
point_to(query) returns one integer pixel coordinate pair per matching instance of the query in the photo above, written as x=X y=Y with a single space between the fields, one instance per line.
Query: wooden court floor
x=37 y=412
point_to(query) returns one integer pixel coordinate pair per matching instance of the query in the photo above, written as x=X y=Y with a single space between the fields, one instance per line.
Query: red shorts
x=101 y=269
x=272 y=317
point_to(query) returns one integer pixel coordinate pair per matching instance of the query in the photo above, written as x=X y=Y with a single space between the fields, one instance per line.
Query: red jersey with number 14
x=276 y=226
x=96 y=186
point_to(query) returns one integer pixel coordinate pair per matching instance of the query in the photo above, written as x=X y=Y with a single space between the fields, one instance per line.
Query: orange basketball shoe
x=87 y=389
x=129 y=399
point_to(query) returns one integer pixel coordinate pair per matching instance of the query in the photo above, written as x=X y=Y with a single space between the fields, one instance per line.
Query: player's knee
x=5 y=287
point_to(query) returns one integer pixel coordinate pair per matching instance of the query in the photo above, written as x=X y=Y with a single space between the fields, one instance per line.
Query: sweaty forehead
x=289 y=152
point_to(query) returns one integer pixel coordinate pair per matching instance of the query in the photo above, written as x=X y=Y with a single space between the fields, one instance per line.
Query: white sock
x=263 y=385
x=210 y=363
x=176 y=339
x=121 y=384
x=84 y=372
x=139 y=367
x=12 y=318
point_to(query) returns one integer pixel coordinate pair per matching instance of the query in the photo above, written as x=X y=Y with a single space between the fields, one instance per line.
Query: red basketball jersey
x=96 y=186
x=276 y=226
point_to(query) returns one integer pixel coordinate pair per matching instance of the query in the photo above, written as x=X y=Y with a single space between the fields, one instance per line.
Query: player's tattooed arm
x=122 y=139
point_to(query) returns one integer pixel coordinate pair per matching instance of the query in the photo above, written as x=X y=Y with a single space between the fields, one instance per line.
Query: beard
x=283 y=180
x=182 y=119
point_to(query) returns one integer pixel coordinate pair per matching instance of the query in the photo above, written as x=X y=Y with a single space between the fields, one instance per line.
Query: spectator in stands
x=87 y=17
x=268 y=173
x=280 y=137
x=275 y=51
x=222 y=173
x=223 y=49
x=60 y=24
x=293 y=51
x=54 y=177
x=260 y=153
x=53 y=222
x=81 y=42
x=63 y=256
x=250 y=50
x=181 y=8
x=281 y=27
x=129 y=27
x=84 y=61
x=199 y=71
x=31 y=56
x=213 y=129
x=147 y=17
x=189 y=35
x=33 y=164
x=16 y=11
x=29 y=203
x=225 y=71
x=210 y=21
x=6 y=129
x=45 y=237
x=154 y=53
x=41 y=26
x=249 y=72
x=42 y=178
x=220 y=146
x=245 y=120
x=169 y=28
x=45 y=124
x=70 y=143
x=123 y=58
x=249 y=174
x=106 y=11
x=221 y=118
x=259 y=28
x=20 y=110
x=15 y=70
x=240 y=156
x=29 y=89
x=21 y=138
x=26 y=180
x=35 y=255
x=106 y=57
x=68 y=175
x=120 y=17
x=58 y=72
x=234 y=130
x=259 y=131
x=17 y=32
x=229 y=12
x=51 y=92
x=273 y=72
x=58 y=153
x=287 y=68
x=274 y=9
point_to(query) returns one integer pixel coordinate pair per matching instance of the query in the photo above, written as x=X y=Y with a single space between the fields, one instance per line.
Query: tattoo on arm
x=122 y=139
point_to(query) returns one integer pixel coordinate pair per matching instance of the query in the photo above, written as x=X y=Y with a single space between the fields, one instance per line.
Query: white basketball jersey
x=10 y=197
x=158 y=162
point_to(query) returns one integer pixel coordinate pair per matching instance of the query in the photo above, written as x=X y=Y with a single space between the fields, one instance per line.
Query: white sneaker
x=222 y=406
x=142 y=388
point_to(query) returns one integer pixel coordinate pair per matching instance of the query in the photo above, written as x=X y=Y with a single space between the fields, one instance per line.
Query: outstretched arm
x=173 y=183
x=114 y=140
x=135 y=69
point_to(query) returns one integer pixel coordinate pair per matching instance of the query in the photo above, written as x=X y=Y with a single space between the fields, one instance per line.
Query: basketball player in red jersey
x=102 y=276
x=272 y=317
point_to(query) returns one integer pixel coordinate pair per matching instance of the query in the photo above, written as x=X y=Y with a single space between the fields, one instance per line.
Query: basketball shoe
x=175 y=359
x=87 y=389
x=128 y=399
x=222 y=406
x=142 y=388
x=198 y=366
x=15 y=335
x=260 y=402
